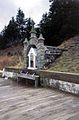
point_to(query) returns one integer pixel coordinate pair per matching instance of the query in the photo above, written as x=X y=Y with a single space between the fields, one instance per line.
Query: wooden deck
x=28 y=103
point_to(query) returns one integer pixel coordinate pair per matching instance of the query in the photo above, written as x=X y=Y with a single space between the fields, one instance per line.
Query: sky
x=31 y=8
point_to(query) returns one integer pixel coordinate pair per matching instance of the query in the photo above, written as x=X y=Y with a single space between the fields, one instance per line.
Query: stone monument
x=36 y=54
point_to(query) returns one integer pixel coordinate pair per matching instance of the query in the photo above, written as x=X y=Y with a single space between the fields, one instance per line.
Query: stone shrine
x=36 y=54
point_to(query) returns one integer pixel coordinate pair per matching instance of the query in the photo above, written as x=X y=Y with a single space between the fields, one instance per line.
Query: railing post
x=36 y=81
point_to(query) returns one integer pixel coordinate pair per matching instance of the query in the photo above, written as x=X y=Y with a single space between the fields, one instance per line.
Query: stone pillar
x=25 y=52
x=33 y=38
x=40 y=52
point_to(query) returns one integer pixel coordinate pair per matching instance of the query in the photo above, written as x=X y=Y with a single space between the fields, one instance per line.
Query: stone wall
x=9 y=74
x=61 y=85
x=62 y=81
x=68 y=82
x=40 y=56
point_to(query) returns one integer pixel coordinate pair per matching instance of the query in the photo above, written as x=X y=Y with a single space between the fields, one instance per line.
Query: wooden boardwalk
x=28 y=103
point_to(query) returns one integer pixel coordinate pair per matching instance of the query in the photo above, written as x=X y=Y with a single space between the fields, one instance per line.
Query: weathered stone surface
x=68 y=82
x=33 y=38
x=41 y=50
x=40 y=55
x=64 y=86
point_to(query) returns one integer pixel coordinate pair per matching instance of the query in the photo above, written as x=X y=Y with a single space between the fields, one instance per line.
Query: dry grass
x=9 y=61
x=11 y=57
x=69 y=60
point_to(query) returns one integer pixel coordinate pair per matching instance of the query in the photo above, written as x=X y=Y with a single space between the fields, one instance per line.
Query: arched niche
x=32 y=54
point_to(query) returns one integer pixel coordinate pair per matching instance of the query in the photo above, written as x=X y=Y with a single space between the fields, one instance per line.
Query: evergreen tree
x=20 y=20
x=63 y=18
x=29 y=25
x=11 y=32
x=16 y=31
x=45 y=27
x=2 y=42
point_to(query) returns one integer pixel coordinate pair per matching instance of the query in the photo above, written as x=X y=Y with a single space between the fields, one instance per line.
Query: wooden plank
x=62 y=76
x=24 y=103
x=27 y=76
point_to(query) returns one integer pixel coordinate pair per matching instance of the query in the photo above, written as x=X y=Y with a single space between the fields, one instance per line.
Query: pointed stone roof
x=33 y=32
x=25 y=41
x=41 y=37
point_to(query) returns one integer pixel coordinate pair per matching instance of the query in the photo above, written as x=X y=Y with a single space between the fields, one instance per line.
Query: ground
x=18 y=102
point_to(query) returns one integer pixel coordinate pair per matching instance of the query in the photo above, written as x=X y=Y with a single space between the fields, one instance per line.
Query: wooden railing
x=63 y=76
